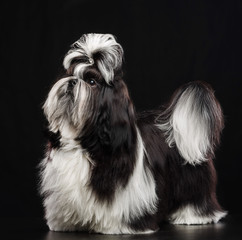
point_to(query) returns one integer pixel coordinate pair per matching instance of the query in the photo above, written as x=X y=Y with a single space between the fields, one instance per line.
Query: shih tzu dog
x=110 y=170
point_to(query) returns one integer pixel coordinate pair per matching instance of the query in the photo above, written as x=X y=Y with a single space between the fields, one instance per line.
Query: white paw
x=60 y=228
x=189 y=215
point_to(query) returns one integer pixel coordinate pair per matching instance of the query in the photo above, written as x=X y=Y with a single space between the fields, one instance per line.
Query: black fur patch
x=110 y=139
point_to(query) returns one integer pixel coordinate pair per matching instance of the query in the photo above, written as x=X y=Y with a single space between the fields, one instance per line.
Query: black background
x=166 y=43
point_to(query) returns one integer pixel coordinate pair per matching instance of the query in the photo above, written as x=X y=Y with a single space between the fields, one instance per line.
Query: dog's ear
x=112 y=141
x=116 y=119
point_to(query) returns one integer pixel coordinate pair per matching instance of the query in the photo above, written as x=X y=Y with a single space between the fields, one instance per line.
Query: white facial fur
x=66 y=113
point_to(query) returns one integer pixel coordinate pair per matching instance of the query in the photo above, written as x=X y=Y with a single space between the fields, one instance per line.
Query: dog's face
x=92 y=96
x=69 y=103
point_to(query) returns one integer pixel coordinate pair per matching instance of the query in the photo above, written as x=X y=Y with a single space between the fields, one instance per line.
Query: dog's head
x=92 y=99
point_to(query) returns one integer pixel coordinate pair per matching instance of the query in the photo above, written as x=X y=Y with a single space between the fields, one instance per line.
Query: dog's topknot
x=99 y=49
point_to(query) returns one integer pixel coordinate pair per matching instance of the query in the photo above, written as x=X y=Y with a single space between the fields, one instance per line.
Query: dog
x=110 y=170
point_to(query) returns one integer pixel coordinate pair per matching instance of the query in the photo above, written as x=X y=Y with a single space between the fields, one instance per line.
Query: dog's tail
x=193 y=122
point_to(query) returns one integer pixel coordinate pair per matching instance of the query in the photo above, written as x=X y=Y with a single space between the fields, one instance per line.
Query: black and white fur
x=109 y=170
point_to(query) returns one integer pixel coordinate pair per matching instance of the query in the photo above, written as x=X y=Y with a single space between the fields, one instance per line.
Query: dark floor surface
x=35 y=229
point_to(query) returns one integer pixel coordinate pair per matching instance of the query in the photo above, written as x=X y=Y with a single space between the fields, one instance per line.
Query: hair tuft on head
x=99 y=49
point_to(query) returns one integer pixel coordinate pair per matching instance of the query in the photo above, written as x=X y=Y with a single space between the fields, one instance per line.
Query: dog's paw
x=188 y=215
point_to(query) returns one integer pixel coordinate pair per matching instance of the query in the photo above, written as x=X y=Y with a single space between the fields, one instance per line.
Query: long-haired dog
x=110 y=170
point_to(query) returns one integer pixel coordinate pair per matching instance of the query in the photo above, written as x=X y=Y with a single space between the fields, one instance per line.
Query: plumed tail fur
x=193 y=122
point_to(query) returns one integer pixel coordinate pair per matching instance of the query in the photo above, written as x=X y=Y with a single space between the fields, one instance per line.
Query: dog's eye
x=91 y=82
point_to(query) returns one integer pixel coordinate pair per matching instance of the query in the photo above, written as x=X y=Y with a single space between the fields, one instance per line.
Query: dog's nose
x=72 y=82
x=71 y=85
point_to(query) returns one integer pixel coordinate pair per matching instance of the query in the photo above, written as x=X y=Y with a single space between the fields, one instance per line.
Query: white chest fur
x=71 y=205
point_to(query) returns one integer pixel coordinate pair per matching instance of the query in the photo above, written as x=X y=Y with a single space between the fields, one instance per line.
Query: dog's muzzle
x=71 y=85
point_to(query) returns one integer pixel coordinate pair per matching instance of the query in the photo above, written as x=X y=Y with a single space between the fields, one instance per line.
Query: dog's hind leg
x=192 y=124
x=192 y=194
